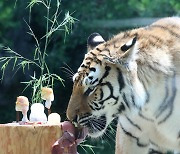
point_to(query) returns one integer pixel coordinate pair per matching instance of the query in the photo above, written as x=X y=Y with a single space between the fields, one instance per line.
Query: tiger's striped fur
x=134 y=76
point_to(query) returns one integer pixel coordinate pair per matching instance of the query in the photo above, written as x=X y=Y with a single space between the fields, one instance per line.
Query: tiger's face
x=98 y=94
x=97 y=103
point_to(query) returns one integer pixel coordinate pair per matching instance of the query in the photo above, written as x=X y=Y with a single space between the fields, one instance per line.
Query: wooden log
x=28 y=139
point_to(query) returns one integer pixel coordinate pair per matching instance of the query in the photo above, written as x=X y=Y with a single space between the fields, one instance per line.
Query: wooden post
x=28 y=139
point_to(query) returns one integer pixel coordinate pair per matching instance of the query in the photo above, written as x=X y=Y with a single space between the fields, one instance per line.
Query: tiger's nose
x=73 y=115
x=78 y=104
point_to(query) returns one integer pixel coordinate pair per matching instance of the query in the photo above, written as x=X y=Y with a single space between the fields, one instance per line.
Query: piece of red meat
x=71 y=137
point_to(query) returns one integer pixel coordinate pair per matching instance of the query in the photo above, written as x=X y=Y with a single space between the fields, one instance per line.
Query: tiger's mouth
x=96 y=125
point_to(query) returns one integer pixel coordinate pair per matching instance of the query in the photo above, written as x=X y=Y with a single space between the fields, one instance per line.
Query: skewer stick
x=49 y=112
x=17 y=116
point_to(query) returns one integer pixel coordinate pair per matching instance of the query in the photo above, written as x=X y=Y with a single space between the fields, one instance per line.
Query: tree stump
x=28 y=139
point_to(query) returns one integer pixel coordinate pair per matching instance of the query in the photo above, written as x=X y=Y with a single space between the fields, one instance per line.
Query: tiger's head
x=102 y=87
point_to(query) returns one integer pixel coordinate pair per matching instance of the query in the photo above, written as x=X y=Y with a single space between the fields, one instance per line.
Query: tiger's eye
x=92 y=69
x=90 y=77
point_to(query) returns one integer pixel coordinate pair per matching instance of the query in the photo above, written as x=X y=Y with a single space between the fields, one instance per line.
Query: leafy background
x=63 y=52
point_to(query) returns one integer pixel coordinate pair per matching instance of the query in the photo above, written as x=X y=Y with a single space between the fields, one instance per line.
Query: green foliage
x=151 y=8
x=14 y=56
x=6 y=16
x=45 y=79
x=118 y=9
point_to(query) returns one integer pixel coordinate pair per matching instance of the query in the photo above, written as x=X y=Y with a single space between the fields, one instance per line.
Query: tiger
x=134 y=77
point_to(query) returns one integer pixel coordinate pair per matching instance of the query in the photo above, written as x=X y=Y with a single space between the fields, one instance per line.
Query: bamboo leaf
x=15 y=61
x=2 y=59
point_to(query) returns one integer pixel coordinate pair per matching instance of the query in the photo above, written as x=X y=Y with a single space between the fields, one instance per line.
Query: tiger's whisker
x=69 y=68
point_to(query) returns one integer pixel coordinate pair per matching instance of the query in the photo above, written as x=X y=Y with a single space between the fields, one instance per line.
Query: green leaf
x=15 y=61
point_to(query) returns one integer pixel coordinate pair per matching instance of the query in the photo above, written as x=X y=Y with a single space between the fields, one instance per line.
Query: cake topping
x=22 y=104
x=37 y=113
x=54 y=118
x=47 y=95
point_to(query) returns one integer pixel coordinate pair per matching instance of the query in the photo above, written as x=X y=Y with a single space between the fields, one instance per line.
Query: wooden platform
x=28 y=139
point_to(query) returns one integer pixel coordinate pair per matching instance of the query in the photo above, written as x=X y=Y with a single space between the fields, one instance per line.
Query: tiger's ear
x=93 y=40
x=129 y=50
x=128 y=55
x=129 y=44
